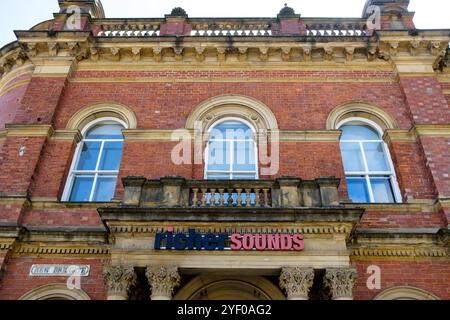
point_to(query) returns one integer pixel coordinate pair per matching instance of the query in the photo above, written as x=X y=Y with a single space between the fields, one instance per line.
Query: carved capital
x=221 y=53
x=286 y=53
x=32 y=49
x=296 y=282
x=393 y=48
x=349 y=53
x=341 y=282
x=115 y=54
x=307 y=54
x=264 y=53
x=163 y=280
x=328 y=53
x=157 y=54
x=53 y=49
x=118 y=280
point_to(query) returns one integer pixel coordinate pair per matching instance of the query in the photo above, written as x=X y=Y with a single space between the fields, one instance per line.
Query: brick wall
x=10 y=99
x=17 y=282
x=429 y=275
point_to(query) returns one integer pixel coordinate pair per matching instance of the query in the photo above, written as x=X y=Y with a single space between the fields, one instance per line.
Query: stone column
x=118 y=281
x=296 y=282
x=340 y=282
x=162 y=280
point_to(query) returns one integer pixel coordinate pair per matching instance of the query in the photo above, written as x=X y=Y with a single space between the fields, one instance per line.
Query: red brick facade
x=301 y=99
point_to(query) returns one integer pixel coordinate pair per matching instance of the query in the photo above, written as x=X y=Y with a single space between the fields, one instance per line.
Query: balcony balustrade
x=285 y=192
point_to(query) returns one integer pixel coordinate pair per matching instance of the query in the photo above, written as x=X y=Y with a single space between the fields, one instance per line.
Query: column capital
x=162 y=280
x=296 y=282
x=118 y=280
x=341 y=281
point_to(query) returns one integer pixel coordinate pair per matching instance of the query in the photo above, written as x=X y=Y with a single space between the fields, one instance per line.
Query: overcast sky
x=23 y=14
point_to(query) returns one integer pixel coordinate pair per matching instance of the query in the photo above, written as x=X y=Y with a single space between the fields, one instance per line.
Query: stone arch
x=229 y=288
x=214 y=109
x=405 y=293
x=6 y=81
x=360 y=110
x=55 y=291
x=102 y=110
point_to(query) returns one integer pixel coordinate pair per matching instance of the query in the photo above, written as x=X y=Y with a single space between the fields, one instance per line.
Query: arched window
x=231 y=151
x=94 y=171
x=368 y=167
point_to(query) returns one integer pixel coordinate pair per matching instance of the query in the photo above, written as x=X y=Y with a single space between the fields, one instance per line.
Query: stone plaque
x=59 y=270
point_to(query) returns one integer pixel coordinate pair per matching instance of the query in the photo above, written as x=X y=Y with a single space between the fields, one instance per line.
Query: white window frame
x=231 y=172
x=77 y=154
x=367 y=174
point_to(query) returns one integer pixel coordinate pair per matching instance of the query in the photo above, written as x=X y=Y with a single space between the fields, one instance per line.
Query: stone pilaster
x=296 y=282
x=163 y=280
x=118 y=281
x=341 y=282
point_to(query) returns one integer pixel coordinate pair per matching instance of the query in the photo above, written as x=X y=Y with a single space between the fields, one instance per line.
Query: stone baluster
x=221 y=199
x=340 y=282
x=163 y=280
x=296 y=282
x=239 y=199
x=204 y=195
x=118 y=280
x=212 y=201
x=248 y=200
x=195 y=197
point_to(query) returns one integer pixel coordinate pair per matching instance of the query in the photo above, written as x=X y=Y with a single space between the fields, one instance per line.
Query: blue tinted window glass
x=104 y=190
x=382 y=190
x=357 y=190
x=219 y=156
x=244 y=156
x=89 y=155
x=355 y=132
x=111 y=156
x=352 y=157
x=105 y=131
x=376 y=158
x=81 y=189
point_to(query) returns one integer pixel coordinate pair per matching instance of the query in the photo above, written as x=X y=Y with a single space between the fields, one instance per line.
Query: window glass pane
x=219 y=156
x=89 y=156
x=359 y=132
x=104 y=190
x=244 y=156
x=376 y=158
x=105 y=131
x=352 y=157
x=382 y=190
x=218 y=176
x=111 y=156
x=232 y=130
x=81 y=189
x=357 y=190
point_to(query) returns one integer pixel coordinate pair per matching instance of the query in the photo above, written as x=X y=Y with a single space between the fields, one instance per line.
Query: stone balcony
x=177 y=192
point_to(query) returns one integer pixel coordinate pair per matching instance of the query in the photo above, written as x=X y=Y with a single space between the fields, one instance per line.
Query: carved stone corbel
x=136 y=53
x=435 y=47
x=393 y=48
x=328 y=53
x=221 y=53
x=157 y=54
x=307 y=54
x=115 y=54
x=413 y=47
x=243 y=53
x=199 y=54
x=53 y=48
x=264 y=53
x=94 y=53
x=371 y=54
x=296 y=282
x=162 y=280
x=349 y=53
x=178 y=53
x=118 y=280
x=286 y=54
x=32 y=49
x=341 y=282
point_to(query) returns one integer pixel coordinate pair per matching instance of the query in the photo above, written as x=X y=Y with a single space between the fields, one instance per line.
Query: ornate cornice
x=61 y=250
x=405 y=251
